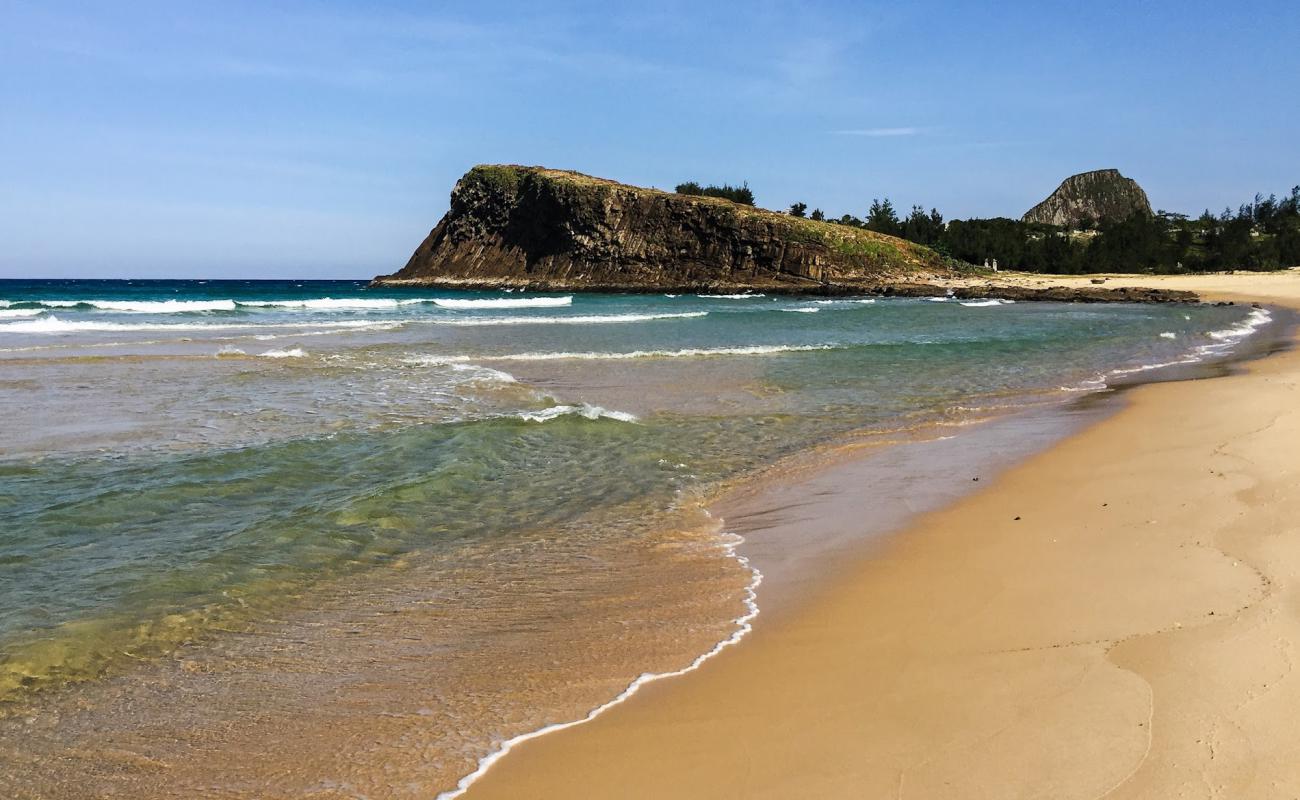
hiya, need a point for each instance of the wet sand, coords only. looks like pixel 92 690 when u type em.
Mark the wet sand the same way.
pixel 1118 616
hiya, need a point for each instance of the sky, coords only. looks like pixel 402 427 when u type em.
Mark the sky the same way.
pixel 321 140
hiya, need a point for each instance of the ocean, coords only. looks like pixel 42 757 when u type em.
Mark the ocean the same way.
pixel 352 539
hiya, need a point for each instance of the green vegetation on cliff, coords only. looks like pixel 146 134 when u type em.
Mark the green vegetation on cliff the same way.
pixel 513 225
pixel 736 194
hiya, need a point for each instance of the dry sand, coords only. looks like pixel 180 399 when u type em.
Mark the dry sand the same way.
pixel 1116 617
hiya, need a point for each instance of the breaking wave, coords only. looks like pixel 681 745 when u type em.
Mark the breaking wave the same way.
pixel 313 304
pixel 331 304
pixel 53 324
pixel 143 306
pixel 985 303
pixel 689 352
pixel 506 302
pixel 585 410
pixel 589 319
pixel 863 301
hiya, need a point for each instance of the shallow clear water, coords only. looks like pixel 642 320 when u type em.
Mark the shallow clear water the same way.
pixel 185 462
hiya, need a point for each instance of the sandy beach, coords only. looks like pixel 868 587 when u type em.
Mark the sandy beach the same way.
pixel 1115 617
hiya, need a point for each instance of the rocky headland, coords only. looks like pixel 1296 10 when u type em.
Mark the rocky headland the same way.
pixel 553 230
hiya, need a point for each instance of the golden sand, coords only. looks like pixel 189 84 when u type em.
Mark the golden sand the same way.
pixel 1116 617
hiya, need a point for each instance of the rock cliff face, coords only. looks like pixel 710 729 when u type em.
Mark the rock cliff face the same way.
pixel 1103 194
pixel 550 229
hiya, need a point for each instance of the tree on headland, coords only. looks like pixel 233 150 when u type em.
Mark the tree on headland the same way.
pixel 882 218
pixel 818 215
pixel 737 194
pixel 1263 234
pixel 798 209
pixel 921 227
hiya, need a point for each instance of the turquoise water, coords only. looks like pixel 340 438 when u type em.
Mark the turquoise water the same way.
pixel 181 455
pixel 248 529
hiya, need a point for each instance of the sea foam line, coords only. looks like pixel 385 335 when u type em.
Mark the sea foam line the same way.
pixel 752 350
pixel 52 324
pixel 839 301
pixel 744 624
pixel 506 302
pixel 586 410
pixel 144 306
pixel 293 352
pixel 986 303
pixel 588 319
pixel 314 304
pixel 329 303
pixel 1222 341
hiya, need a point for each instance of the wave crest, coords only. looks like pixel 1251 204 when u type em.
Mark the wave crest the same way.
pixel 689 352
pixel 505 302
pixel 585 410
pixel 143 306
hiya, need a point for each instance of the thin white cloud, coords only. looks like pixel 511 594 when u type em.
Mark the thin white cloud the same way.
pixel 880 132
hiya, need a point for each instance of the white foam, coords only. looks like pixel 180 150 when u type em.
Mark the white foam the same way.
pixel 230 351
pixel 332 304
pixel 1091 385
pixel 584 410
pixel 480 373
pixel 145 306
pixel 19 312
pixel 744 624
pixel 294 352
pixel 802 310
pixel 1149 367
pixel 937 299
pixel 53 324
pixel 587 319
pixel 986 303
pixel 846 301
pixel 1222 343
pixel 1256 319
pixel 506 302
pixel 690 352
pixel 746 296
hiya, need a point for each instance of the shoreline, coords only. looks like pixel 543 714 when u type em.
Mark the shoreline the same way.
pixel 1033 429
pixel 1047 423
pixel 784 473
pixel 545 766
pixel 962 287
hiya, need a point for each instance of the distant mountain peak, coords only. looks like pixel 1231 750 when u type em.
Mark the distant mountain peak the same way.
pixel 1102 194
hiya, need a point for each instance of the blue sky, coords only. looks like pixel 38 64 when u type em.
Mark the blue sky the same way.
pixel 291 139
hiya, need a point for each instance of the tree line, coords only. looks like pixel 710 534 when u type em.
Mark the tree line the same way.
pixel 736 194
pixel 1261 235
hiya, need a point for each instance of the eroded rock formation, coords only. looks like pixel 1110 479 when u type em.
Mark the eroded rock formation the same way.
pixel 551 229
pixel 1091 197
